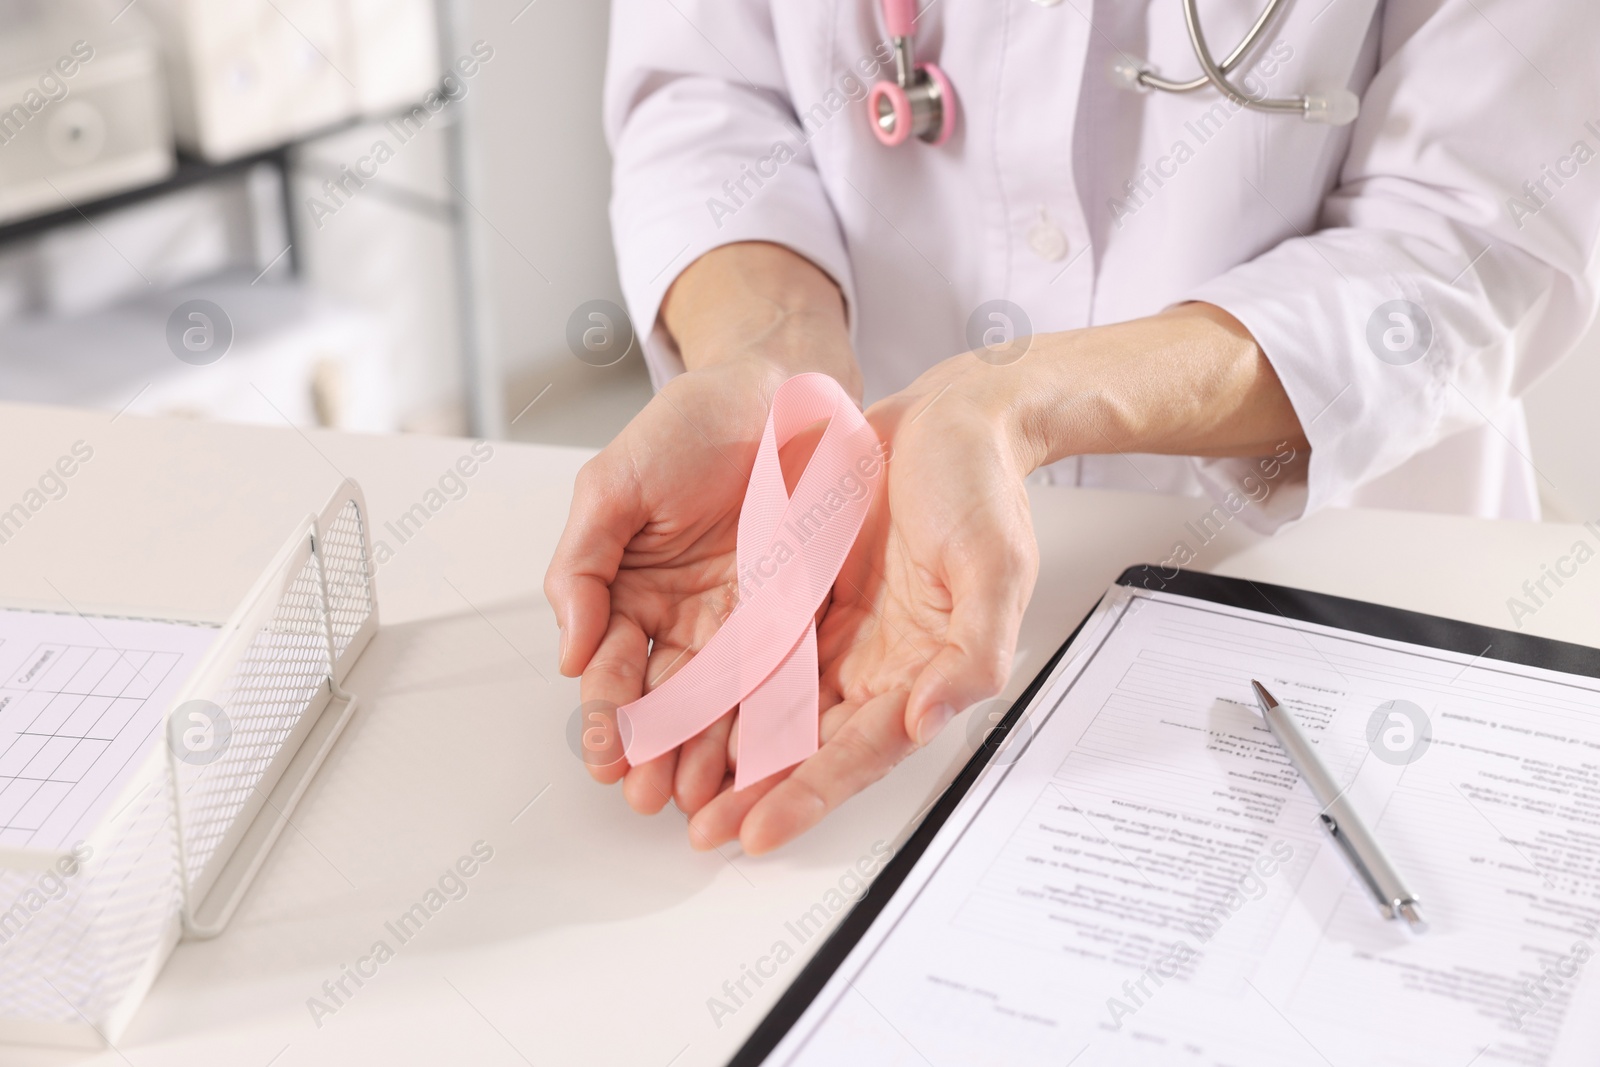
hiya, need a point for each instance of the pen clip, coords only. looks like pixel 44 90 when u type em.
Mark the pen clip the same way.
pixel 1330 824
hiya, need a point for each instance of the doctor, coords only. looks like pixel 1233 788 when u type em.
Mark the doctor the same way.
pixel 1056 268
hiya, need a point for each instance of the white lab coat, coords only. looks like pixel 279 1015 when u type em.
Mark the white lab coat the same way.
pixel 1083 203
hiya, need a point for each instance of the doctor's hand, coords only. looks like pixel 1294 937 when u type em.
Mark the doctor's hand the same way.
pixel 923 620
pixel 644 572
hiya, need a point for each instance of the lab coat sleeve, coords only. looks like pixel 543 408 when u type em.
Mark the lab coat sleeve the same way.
pixel 1471 190
pixel 707 151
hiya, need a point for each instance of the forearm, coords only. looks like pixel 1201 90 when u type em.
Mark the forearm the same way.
pixel 1190 381
pixel 761 301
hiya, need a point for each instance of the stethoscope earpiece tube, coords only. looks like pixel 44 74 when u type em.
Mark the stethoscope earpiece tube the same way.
pixel 1336 108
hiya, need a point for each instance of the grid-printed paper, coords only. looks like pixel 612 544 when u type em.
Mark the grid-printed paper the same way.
pixel 81 703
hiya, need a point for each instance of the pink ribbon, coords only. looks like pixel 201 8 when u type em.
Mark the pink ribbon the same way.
pixel 789 552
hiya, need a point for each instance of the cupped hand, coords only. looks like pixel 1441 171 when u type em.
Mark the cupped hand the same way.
pixel 924 617
pixel 644 571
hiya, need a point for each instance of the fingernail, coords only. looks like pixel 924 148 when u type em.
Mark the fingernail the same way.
pixel 561 651
pixel 933 720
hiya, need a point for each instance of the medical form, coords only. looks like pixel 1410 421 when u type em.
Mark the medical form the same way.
pixel 1139 876
pixel 82 698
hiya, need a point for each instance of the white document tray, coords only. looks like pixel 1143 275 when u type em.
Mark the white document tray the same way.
pixel 183 840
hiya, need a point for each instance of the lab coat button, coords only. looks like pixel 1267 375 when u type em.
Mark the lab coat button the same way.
pixel 1047 241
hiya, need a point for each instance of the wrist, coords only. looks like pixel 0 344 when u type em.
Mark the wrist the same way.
pixel 1189 381
pixel 1010 399
pixel 1056 404
pixel 784 342
pixel 759 303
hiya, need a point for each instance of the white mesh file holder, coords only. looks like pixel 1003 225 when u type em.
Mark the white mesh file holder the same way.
pixel 185 836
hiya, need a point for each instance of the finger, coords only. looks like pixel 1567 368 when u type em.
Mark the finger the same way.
pixel 828 697
pixel 834 717
pixel 613 677
pixel 989 592
pixel 702 764
pixel 871 741
pixel 648 786
pixel 718 822
pixel 607 511
pixel 665 661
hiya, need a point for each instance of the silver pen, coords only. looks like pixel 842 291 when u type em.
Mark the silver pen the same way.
pixel 1339 817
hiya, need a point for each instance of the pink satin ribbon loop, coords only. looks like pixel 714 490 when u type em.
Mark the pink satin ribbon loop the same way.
pixel 790 550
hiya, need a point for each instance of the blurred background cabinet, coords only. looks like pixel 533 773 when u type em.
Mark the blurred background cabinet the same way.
pixel 336 149
pixel 78 118
pixel 249 74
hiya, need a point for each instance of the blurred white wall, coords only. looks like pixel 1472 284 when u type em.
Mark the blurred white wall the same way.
pixel 547 182
pixel 547 173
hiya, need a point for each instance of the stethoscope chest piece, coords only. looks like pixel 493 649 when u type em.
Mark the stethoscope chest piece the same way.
pixel 920 101
pixel 924 109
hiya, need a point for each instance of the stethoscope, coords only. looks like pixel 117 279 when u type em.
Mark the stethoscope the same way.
pixel 920 101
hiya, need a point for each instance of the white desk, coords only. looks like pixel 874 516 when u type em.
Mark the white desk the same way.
pixel 593 935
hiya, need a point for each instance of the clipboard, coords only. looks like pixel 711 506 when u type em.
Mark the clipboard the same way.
pixel 1368 620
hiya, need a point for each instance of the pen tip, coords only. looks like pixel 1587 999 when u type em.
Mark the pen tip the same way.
pixel 1413 916
pixel 1263 697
